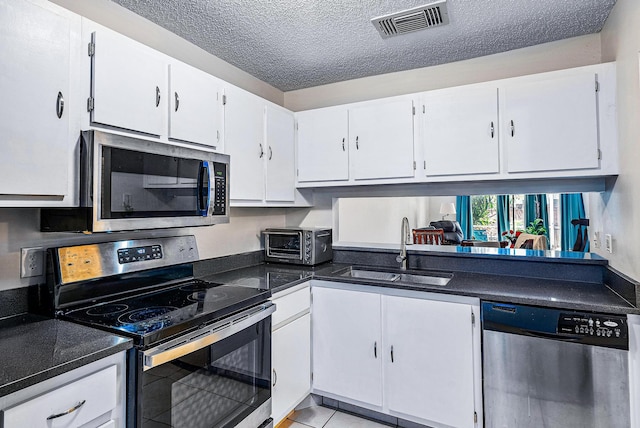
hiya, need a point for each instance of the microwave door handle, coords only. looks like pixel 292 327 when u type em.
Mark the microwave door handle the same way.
pixel 204 192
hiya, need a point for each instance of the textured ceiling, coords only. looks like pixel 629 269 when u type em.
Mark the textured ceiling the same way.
pixel 295 44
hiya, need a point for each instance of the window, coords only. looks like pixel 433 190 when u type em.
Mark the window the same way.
pixel 485 217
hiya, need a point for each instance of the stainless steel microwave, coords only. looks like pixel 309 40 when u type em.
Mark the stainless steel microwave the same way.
pixel 303 246
pixel 130 183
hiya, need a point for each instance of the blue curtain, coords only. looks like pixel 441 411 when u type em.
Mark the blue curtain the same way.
pixel 536 207
pixel 571 207
pixel 503 215
pixel 464 216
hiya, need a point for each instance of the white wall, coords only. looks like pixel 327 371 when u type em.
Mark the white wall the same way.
pixel 574 52
pixel 378 220
pixel 617 211
pixel 19 228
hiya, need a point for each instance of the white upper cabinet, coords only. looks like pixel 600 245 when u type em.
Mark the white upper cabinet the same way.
pixel 129 84
pixel 461 131
pixel 260 138
pixel 36 45
pixel 381 137
pixel 551 124
pixel 244 142
pixel 280 154
pixel 195 106
pixel 323 146
pixel 429 360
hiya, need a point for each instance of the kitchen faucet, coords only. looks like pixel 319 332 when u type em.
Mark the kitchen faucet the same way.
pixel 404 240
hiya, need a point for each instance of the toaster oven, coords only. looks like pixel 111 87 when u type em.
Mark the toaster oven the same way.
pixel 302 246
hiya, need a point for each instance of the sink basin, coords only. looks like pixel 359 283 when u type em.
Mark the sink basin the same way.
pixel 407 278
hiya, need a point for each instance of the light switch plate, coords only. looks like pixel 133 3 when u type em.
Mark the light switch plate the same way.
pixel 596 240
pixel 31 262
pixel 608 244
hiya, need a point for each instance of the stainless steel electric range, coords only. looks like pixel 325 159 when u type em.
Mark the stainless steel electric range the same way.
pixel 202 354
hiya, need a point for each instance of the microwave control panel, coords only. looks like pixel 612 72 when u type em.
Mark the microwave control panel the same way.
pixel 219 189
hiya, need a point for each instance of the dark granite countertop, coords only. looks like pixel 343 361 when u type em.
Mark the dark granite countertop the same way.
pixel 575 295
pixel 35 348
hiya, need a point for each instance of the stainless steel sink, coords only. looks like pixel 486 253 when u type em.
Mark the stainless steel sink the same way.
pixel 408 278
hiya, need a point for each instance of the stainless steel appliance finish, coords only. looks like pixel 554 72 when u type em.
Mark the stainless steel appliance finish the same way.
pixel 202 350
pixel 554 368
pixel 296 245
pixel 206 336
pixel 132 183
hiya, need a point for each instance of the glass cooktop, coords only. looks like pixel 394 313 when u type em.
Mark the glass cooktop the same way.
pixel 152 317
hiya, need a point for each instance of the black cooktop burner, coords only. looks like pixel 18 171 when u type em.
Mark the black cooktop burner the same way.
pixel 201 296
pixel 154 316
pixel 196 285
pixel 108 309
pixel 145 313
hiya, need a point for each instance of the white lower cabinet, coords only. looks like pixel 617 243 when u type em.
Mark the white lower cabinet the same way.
pixel 291 351
pixel 429 367
pixel 91 396
pixel 406 354
pixel 346 333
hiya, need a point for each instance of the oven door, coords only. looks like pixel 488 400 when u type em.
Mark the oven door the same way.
pixel 284 246
pixel 140 184
pixel 217 377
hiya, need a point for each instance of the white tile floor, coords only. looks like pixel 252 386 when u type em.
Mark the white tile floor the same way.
pixel 309 414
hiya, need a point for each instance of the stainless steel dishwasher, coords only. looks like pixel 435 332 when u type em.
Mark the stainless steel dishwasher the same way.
pixel 550 368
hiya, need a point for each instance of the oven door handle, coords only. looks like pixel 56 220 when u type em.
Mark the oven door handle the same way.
pixel 206 336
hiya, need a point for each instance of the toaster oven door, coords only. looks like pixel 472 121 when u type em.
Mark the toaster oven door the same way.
pixel 284 245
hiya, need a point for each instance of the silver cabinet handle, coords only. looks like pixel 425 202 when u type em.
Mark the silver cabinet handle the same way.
pixel 71 410
pixel 60 105
pixel 157 96
pixel 492 130
pixel 375 349
pixel 392 353
pixel 275 377
pixel 513 129
pixel 357 146
pixel 270 153
pixel 177 100
pixel 343 145
pixel 261 152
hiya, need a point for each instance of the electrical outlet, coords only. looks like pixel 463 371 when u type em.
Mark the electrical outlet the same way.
pixel 608 244
pixel 596 240
pixel 31 262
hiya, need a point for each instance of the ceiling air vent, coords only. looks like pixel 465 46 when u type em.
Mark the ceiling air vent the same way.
pixel 419 18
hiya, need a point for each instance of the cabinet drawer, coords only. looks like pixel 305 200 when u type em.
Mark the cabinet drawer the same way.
pixel 291 304
pixel 98 391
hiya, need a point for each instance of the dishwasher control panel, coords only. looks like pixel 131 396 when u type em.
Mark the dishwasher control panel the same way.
pixel 592 325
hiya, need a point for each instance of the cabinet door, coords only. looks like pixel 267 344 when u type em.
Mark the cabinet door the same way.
pixel 323 146
pixel 429 360
pixel 382 136
pixel 552 124
pixel 128 84
pixel 461 131
pixel 195 106
pixel 243 126
pixel 85 400
pixel 280 147
pixel 291 366
pixel 34 80
pixel 346 334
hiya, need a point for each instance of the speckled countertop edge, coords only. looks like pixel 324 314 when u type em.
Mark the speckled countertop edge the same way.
pixel 41 349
